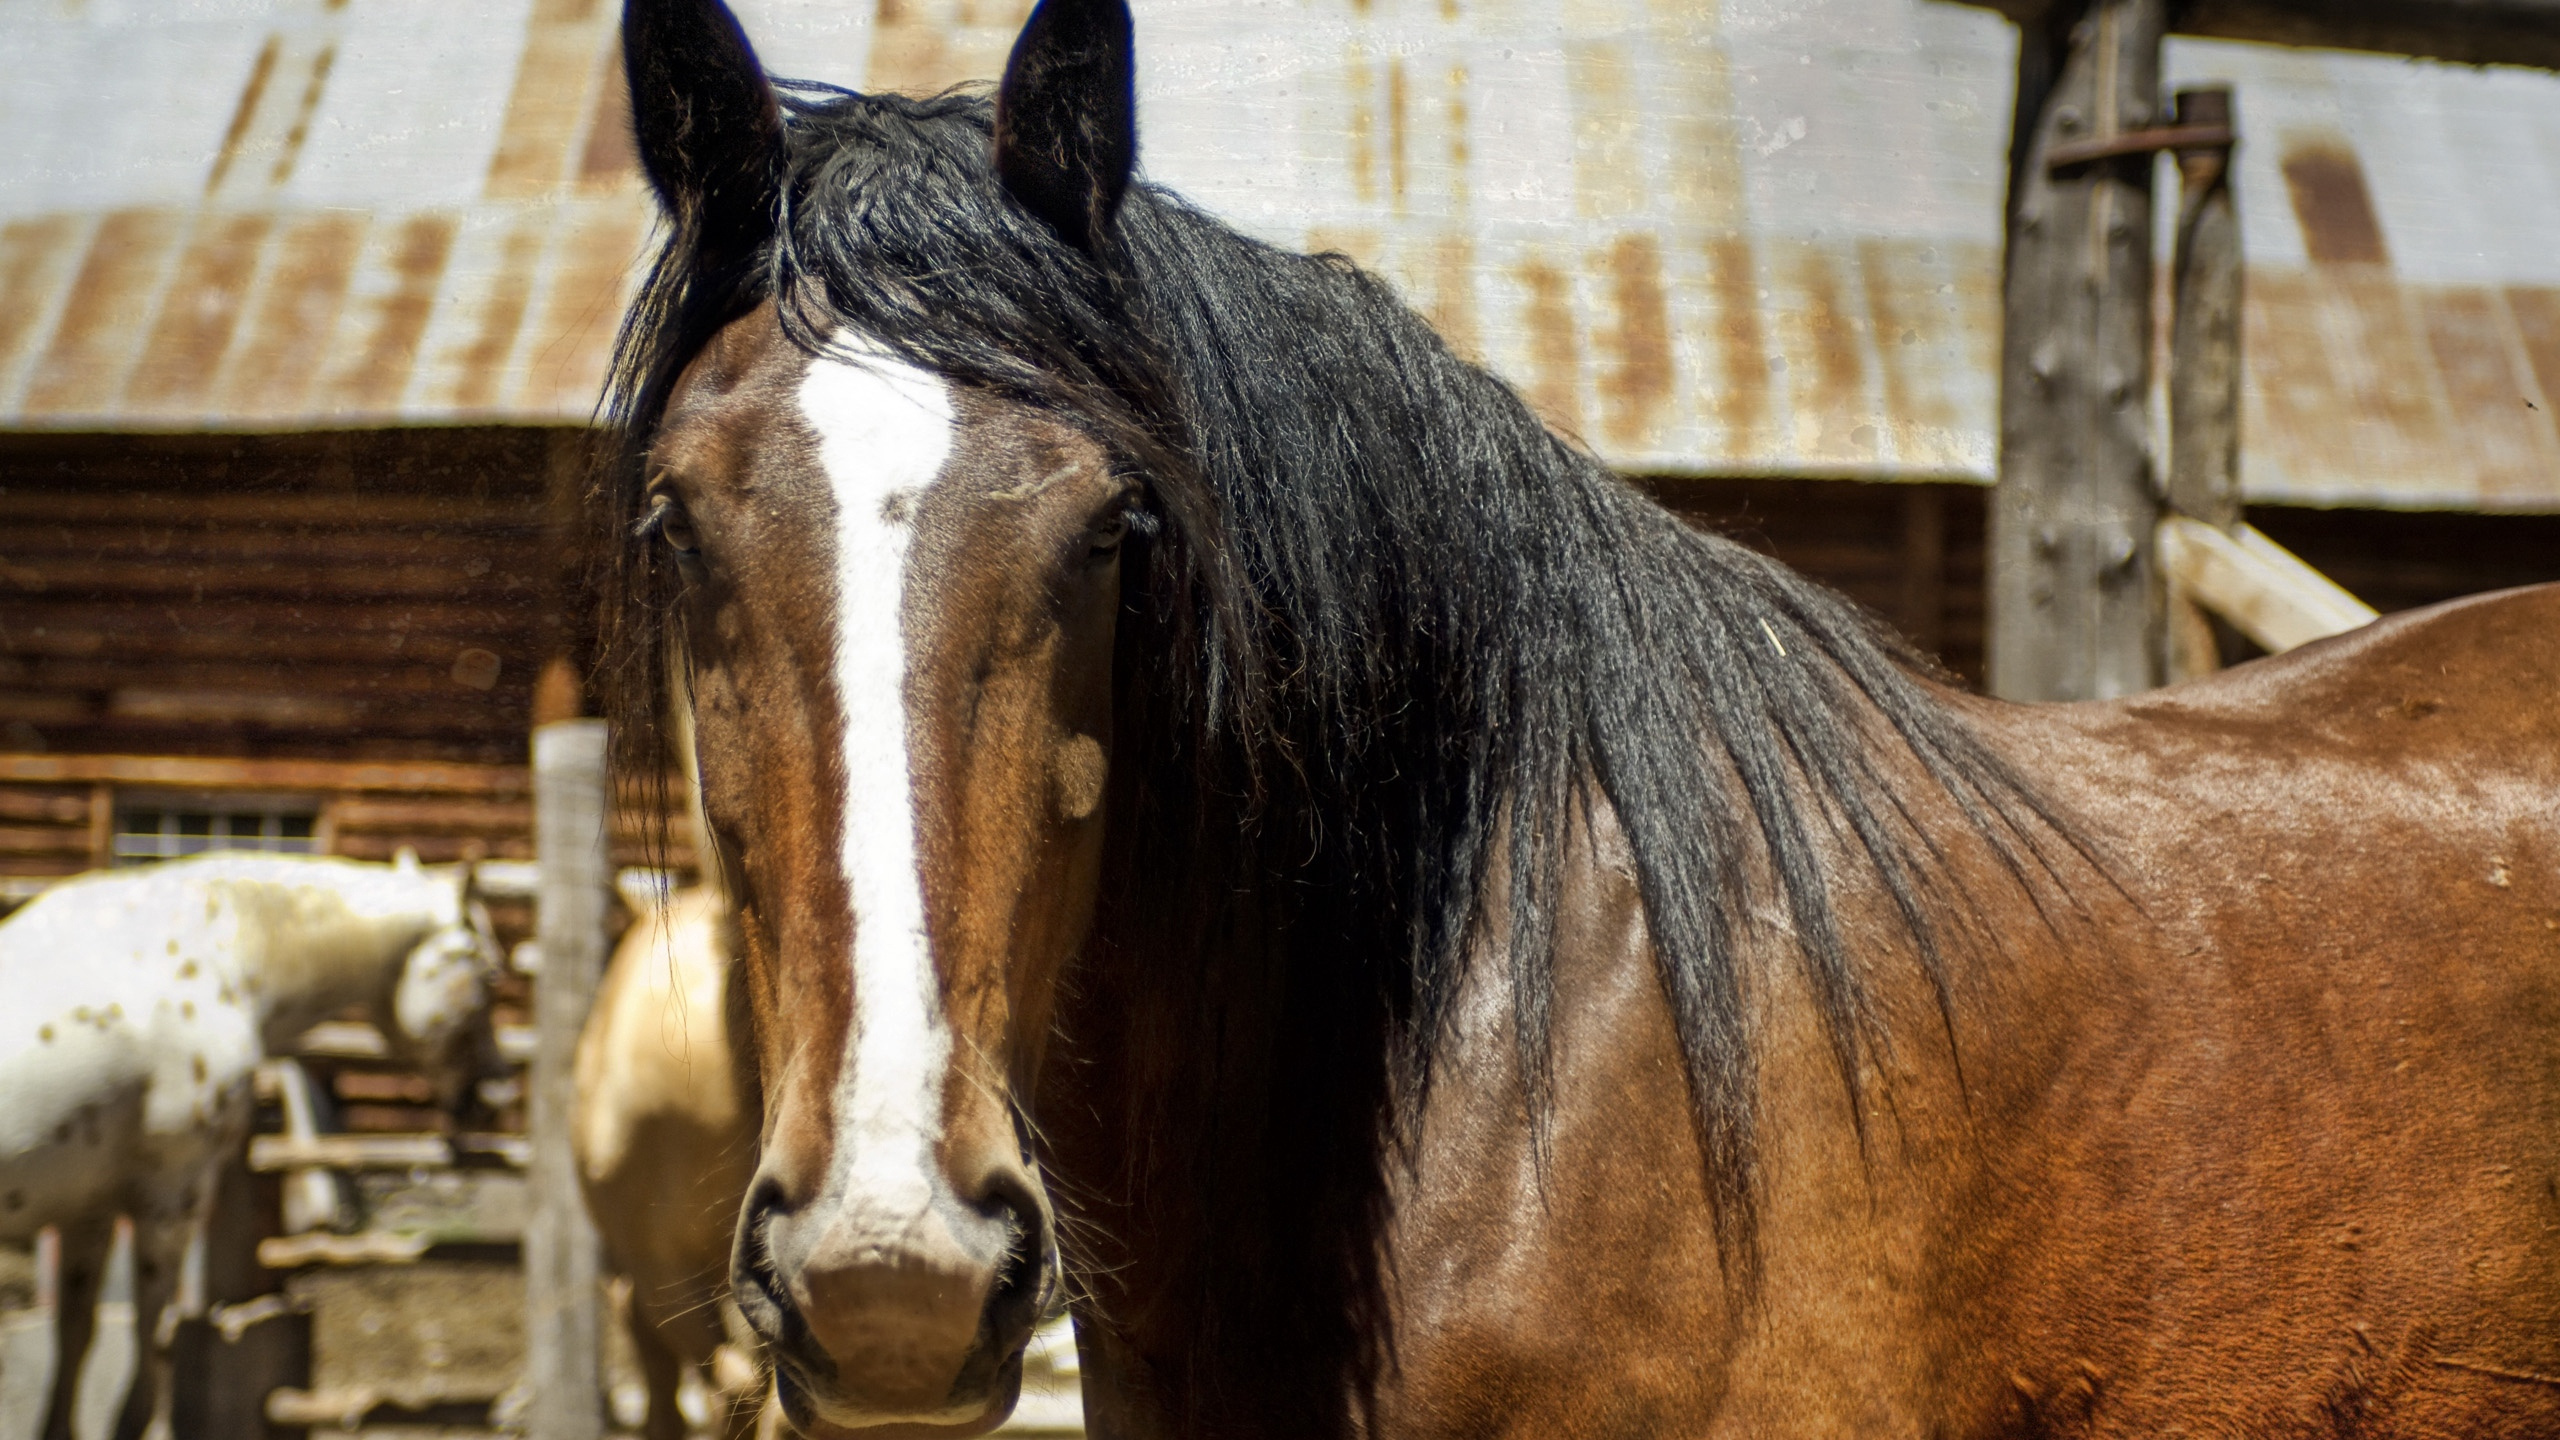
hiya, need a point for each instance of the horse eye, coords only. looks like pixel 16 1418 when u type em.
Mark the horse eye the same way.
pixel 668 522
pixel 1108 535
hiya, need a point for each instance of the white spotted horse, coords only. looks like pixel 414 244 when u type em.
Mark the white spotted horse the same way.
pixel 134 1007
pixel 1230 818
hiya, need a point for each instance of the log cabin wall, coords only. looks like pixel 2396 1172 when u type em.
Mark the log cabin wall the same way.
pixel 1910 553
pixel 327 643
pixel 359 595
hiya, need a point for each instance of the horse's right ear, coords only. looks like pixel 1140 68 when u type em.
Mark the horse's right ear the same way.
pixel 708 126
pixel 1067 117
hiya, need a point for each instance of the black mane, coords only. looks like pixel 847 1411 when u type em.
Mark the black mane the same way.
pixel 1387 634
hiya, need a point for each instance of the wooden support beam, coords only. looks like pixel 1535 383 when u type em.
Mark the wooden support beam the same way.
pixel 2471 32
pixel 2204 363
pixel 102 826
pixel 348 1152
pixel 2074 612
pixel 2267 592
pixel 563 1330
pixel 2204 327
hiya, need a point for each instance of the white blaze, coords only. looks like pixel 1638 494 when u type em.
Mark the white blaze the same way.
pixel 884 429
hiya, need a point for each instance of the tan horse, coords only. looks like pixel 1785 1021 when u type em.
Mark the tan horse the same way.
pixel 1212 787
pixel 665 1137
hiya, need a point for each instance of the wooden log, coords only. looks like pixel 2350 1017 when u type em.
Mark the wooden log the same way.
pixel 200 580
pixel 189 773
pixel 323 1247
pixel 563 1361
pixel 44 840
pixel 109 617
pixel 299 545
pixel 2074 610
pixel 2204 364
pixel 405 680
pixel 151 715
pixel 348 1407
pixel 347 1152
pixel 337 1040
pixel 56 809
pixel 166 510
pixel 435 849
pixel 435 815
pixel 2266 591
pixel 515 1150
pixel 510 816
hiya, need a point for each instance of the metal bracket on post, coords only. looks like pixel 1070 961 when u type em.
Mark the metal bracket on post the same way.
pixel 564 1390
pixel 2181 138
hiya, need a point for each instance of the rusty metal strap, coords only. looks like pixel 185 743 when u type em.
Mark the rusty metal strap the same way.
pixel 2138 142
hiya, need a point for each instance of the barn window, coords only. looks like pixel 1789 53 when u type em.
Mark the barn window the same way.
pixel 149 832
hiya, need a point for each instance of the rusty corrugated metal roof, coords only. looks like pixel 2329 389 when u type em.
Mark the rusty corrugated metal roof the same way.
pixel 313 214
pixel 2403 307
pixel 1736 238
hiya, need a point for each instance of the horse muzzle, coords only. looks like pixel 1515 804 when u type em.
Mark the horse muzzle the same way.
pixel 897 1316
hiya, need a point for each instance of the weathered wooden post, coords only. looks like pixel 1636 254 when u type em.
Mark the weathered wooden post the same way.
pixel 2204 359
pixel 2074 611
pixel 563 1358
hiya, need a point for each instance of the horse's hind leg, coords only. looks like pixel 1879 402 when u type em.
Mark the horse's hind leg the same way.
pixel 85 1243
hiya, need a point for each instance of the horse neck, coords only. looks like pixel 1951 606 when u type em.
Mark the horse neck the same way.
pixel 1262 1182
pixel 328 940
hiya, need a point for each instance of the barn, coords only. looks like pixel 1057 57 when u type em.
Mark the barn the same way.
pixel 304 308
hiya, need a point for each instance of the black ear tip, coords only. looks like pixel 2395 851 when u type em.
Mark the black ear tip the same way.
pixel 1067 116
pixel 708 125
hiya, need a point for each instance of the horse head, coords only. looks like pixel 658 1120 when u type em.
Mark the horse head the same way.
pixel 438 1004
pixel 894 597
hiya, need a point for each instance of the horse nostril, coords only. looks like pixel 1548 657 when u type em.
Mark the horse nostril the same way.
pixel 1013 1302
pixel 758 1287
pixel 755 1213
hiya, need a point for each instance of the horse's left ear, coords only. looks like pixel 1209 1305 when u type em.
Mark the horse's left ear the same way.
pixel 708 127
pixel 1067 117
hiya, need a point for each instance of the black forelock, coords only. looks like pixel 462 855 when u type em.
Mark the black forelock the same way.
pixel 1390 631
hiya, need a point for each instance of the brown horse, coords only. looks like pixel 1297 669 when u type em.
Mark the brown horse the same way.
pixel 1215 792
